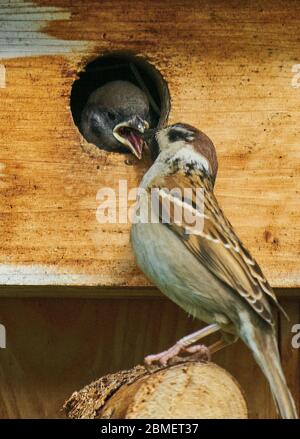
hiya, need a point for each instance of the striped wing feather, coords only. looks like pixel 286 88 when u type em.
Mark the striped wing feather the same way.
pixel 215 243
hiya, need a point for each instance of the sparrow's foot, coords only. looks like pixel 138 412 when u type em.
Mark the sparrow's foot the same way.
pixel 202 351
pixel 177 354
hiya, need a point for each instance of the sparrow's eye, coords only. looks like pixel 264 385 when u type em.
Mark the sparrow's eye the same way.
pixel 176 135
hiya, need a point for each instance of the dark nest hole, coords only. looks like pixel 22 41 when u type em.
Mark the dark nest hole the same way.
pixel 122 66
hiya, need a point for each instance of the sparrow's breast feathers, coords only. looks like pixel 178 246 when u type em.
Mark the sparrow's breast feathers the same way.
pixel 213 241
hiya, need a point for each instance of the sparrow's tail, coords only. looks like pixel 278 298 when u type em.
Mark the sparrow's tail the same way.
pixel 264 347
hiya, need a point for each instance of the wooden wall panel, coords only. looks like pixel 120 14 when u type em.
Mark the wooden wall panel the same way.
pixel 229 69
pixel 55 346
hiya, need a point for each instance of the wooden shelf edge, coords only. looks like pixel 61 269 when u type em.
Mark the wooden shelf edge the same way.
pixel 100 292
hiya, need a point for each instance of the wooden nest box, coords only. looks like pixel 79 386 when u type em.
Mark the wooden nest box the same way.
pixel 230 71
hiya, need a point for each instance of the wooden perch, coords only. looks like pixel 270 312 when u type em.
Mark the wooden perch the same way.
pixel 190 390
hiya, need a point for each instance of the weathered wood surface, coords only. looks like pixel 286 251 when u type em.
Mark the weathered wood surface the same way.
pixel 55 346
pixel 229 69
pixel 190 390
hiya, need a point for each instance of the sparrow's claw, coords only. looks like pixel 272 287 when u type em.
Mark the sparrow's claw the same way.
pixel 202 351
pixel 164 357
pixel 177 354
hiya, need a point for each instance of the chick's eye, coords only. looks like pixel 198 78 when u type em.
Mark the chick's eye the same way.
pixel 111 115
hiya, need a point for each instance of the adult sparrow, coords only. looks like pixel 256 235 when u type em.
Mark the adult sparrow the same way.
pixel 115 116
pixel 186 246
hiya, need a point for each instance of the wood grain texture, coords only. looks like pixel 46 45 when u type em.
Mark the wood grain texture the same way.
pixel 229 69
pixel 190 390
pixel 56 346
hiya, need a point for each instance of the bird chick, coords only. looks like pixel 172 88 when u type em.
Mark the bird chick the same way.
pixel 115 117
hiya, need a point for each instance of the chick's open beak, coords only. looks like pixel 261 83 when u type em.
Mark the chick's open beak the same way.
pixel 130 134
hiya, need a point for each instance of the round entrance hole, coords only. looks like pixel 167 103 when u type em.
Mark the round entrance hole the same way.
pixel 124 67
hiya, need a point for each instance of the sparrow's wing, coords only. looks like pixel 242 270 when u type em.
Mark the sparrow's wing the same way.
pixel 193 213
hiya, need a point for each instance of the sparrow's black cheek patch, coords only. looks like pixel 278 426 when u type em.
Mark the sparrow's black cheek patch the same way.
pixel 121 66
pixel 176 135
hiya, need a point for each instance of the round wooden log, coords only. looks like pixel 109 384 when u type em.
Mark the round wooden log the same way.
pixel 190 390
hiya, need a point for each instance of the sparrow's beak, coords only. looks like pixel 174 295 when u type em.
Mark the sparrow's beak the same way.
pixel 150 140
pixel 130 134
pixel 149 135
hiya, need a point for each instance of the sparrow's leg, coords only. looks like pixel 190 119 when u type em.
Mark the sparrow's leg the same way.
pixel 225 341
pixel 183 346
